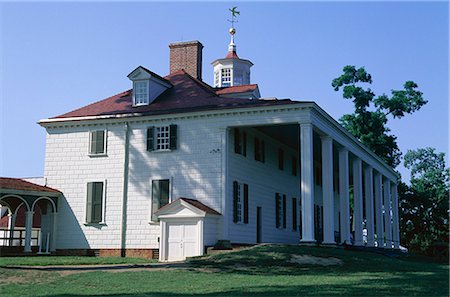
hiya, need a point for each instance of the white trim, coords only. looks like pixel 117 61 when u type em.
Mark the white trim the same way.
pixel 103 221
pixel 105 141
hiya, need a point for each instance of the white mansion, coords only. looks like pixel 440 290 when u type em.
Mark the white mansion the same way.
pixel 173 166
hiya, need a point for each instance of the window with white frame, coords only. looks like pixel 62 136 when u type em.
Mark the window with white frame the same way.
pixel 95 202
pixel 226 77
pixel 97 142
pixel 140 92
pixel 162 138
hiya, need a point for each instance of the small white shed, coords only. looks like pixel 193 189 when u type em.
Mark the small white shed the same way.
pixel 187 226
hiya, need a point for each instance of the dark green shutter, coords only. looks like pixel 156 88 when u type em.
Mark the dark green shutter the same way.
pixel 263 152
pixel 277 210
pixel 94 206
pixel 235 201
pixel 100 140
pixel 284 211
pixel 244 144
pixel 150 139
pixel 173 137
pixel 155 198
pixel 245 204
pixel 89 202
pixel 97 202
pixel 237 147
pixel 257 151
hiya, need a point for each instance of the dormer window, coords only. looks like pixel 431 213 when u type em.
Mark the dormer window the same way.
pixel 147 86
pixel 140 91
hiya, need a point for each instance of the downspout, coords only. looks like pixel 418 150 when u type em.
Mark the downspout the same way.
pixel 123 232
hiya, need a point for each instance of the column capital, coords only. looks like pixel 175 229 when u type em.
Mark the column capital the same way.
pixel 326 138
pixel 343 149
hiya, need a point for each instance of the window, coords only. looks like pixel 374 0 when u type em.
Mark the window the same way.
pixel 280 211
pixel 216 78
pixel 160 196
pixel 226 77
pixel 294 166
pixel 162 138
pixel 240 142
pixel 259 150
pixel 280 159
pixel 240 203
pixel 294 214
pixel 140 92
pixel 97 142
pixel 95 202
pixel 238 77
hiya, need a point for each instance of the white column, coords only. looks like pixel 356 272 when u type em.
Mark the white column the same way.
pixel 344 200
pixel 387 212
pixel 379 209
pixel 327 190
pixel 357 196
pixel 368 184
pixel 307 182
pixel 28 229
pixel 396 234
pixel 11 224
pixel 54 231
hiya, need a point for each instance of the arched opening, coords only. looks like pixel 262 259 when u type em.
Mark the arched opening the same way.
pixel 44 211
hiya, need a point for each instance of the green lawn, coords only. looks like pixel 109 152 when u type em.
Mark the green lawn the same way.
pixel 68 260
pixel 260 271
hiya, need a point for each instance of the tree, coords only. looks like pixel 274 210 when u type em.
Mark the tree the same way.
pixel 425 204
pixel 369 126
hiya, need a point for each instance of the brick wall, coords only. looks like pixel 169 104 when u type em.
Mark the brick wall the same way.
pixel 187 56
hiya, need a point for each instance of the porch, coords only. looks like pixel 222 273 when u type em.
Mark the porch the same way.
pixel 28 217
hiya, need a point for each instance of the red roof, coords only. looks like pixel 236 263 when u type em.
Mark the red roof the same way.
pixel 22 185
pixel 200 206
pixel 188 94
pixel 194 203
pixel 237 89
pixel 232 55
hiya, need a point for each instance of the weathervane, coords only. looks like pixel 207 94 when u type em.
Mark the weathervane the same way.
pixel 234 14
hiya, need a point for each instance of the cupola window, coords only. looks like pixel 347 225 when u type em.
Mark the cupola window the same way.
pixel 141 92
pixel 226 77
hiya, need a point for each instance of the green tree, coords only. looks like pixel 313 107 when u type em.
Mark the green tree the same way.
pixel 368 123
pixel 425 204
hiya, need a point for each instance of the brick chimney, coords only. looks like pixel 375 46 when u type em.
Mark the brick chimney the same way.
pixel 188 56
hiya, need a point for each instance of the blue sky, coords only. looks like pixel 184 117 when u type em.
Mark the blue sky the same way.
pixel 56 57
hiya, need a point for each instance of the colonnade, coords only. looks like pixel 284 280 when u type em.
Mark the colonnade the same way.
pixel 379 216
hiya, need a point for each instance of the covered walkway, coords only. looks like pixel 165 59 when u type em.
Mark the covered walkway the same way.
pixel 28 216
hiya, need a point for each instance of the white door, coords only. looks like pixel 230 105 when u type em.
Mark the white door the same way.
pixel 182 240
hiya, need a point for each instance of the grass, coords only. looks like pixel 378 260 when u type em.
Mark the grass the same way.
pixel 261 271
pixel 68 260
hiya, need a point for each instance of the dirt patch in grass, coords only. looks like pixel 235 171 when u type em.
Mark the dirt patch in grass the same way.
pixel 311 260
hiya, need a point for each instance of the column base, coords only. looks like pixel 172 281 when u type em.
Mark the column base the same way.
pixel 308 242
pixel 331 243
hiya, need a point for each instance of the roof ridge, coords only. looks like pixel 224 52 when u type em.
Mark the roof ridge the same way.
pixel 199 82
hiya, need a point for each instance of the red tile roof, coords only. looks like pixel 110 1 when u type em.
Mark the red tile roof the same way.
pixel 237 89
pixel 232 55
pixel 22 185
pixel 188 94
pixel 200 206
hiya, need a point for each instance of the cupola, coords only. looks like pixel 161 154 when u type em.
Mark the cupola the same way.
pixel 231 70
